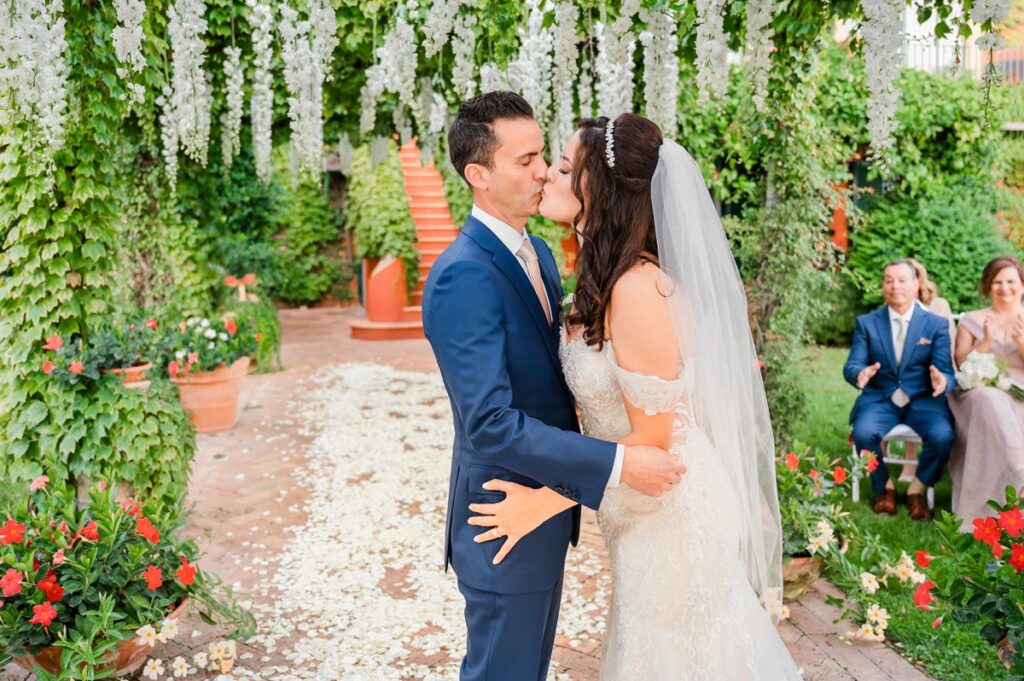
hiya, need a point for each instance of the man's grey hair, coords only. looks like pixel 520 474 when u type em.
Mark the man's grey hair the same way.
pixel 902 261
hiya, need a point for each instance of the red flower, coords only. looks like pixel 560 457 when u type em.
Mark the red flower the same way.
pixel 258 336
pixel 839 475
pixel 872 461
pixel 1017 557
pixel 47 367
pixel 231 326
pixel 997 550
pixel 76 367
pixel 986 530
pixel 10 583
pixel 154 577
pixel 54 591
pixel 54 342
pixel 151 323
pixel 131 506
pixel 923 595
pixel 813 473
pixel 43 614
pixel 12 532
pixel 58 557
pixel 90 532
pixel 186 573
pixel 793 461
pixel 231 280
pixel 1012 522
pixel 249 279
pixel 923 559
pixel 173 368
pixel 146 530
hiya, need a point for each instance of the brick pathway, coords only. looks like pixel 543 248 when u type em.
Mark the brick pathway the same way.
pixel 244 496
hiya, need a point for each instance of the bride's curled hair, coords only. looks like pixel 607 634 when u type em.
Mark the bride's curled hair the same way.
pixel 616 210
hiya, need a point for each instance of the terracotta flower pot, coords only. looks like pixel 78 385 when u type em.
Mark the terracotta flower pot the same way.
pixel 133 377
pixel 127 657
pixel 211 398
pixel 798 574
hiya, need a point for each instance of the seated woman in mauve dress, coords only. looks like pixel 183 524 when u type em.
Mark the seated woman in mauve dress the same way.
pixel 988 453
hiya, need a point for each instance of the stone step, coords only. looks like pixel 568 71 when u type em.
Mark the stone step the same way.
pixel 366 330
pixel 413 313
pixel 436 233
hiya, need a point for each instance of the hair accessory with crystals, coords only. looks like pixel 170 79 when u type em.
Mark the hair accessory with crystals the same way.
pixel 609 144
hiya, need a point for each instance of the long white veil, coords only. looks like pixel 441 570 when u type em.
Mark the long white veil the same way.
pixel 709 311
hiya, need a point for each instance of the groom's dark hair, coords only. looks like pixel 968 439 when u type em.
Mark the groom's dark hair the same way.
pixel 471 136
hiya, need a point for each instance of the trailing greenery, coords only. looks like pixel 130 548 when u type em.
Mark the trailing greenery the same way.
pixel 378 211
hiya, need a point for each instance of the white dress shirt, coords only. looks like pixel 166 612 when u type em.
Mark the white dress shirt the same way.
pixel 513 239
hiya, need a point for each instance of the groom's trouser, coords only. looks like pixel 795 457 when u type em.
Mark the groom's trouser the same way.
pixel 510 636
pixel 875 420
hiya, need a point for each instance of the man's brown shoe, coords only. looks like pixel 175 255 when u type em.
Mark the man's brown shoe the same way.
pixel 918 507
pixel 885 502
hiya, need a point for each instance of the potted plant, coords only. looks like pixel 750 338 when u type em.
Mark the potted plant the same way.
pixel 87 593
pixel 125 350
pixel 209 362
pixel 811 485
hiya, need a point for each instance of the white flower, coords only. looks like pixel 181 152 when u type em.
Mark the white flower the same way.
pixel 760 14
pixel 231 119
pixel 218 650
pixel 180 354
pixel 661 69
pixel 147 635
pixel 210 333
pixel 204 322
pixel 866 631
pixel 877 614
pixel 201 660
pixel 211 345
pixel 324 33
pixel 529 73
pixel 869 582
pixel 304 77
pixel 154 668
pixel 826 531
pixel 904 572
pixel 882 30
pixel 614 66
pixel 169 629
pixel 180 667
pixel 127 37
pixel 493 78
pixel 222 336
pixel 817 544
pixel 585 91
pixel 784 612
pixel 990 10
pixel 438 25
pixel 261 102
pixel 463 46
pixel 712 65
pixel 191 97
pixel 566 52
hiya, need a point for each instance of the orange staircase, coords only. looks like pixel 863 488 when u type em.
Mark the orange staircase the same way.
pixel 435 230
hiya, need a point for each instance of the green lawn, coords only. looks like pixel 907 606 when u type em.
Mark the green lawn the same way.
pixel 952 651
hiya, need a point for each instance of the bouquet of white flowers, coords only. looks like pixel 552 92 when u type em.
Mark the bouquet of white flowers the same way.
pixel 985 369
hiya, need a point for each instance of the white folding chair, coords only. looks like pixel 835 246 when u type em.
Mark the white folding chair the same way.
pixel 901 434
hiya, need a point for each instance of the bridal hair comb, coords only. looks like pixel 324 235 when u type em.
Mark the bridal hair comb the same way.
pixel 609 144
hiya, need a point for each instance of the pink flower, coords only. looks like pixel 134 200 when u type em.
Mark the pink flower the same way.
pixel 58 557
pixel 937 623
pixel 76 367
pixel 54 342
pixel 47 367
pixel 39 483
pixel 102 484
pixel 151 323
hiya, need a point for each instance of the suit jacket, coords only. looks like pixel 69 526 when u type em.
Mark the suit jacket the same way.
pixel 515 418
pixel 927 344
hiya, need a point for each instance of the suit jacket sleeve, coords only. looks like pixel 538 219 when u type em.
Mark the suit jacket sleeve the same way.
pixel 465 326
pixel 942 354
pixel 858 358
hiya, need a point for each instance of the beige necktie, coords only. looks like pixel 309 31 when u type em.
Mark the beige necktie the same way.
pixel 900 398
pixel 527 253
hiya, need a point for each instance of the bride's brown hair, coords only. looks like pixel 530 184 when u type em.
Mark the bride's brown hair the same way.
pixel 616 205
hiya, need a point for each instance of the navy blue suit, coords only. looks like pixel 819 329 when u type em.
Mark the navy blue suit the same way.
pixel 515 420
pixel 874 414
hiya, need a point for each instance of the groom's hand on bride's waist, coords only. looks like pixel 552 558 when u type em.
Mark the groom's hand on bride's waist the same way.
pixel 650 470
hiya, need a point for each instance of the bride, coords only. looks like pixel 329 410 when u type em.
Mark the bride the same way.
pixel 657 350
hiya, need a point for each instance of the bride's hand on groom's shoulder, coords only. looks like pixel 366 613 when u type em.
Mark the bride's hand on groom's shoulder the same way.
pixel 650 470
pixel 522 511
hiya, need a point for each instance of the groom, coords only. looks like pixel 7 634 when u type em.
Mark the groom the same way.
pixel 490 312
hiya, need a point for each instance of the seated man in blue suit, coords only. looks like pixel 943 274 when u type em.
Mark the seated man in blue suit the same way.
pixel 900 360
pixel 490 312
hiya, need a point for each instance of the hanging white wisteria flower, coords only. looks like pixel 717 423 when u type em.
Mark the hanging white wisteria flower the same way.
pixel 324 33
pixel 304 77
pixel 566 68
pixel 261 103
pixel 33 73
pixel 438 25
pixel 760 14
pixel 231 120
pixel 395 71
pixel 346 155
pixel 433 115
pixel 463 47
pixel 127 37
pixel 712 66
pixel 380 147
pixel 585 90
pixel 883 37
pixel 529 73
pixel 493 78
pixel 991 12
pixel 191 97
pixel 614 77
pixel 168 135
pixel 661 70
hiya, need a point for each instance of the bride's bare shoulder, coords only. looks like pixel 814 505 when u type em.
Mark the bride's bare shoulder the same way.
pixel 642 281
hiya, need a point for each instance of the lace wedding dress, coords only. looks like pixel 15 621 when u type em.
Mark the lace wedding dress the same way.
pixel 681 605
